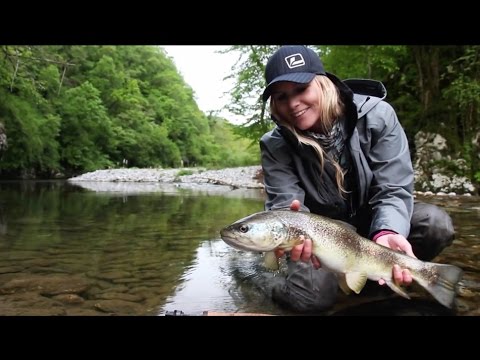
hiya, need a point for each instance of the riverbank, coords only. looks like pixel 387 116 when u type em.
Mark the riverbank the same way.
pixel 247 177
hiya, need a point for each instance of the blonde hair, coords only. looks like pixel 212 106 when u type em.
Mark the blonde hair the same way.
pixel 330 110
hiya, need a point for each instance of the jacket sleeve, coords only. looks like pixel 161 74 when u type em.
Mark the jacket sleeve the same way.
pixel 280 179
pixel 391 191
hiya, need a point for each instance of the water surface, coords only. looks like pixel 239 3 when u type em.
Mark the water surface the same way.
pixel 71 250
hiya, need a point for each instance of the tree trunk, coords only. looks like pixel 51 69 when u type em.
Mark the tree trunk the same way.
pixel 427 61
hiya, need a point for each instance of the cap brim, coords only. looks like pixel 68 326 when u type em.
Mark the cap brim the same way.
pixel 299 78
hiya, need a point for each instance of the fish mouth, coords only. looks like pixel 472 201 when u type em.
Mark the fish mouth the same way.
pixel 234 242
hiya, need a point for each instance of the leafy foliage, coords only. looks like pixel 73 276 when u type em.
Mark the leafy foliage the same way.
pixel 432 88
pixel 72 109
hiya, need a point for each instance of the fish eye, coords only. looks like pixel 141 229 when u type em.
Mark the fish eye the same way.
pixel 243 228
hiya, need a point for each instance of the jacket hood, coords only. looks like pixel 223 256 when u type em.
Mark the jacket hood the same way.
pixel 367 93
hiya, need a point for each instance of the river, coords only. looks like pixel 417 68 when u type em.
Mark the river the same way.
pixel 69 250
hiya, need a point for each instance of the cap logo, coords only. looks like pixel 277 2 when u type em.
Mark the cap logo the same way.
pixel 295 60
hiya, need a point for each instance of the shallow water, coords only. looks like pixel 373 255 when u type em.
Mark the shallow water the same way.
pixel 71 250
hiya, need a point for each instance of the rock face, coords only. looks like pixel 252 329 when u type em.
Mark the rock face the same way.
pixel 435 170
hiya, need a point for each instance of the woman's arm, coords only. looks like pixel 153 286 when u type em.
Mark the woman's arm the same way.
pixel 391 190
pixel 280 178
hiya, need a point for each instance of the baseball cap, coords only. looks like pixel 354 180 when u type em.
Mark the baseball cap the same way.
pixel 296 63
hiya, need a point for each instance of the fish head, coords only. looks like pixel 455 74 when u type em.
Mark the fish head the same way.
pixel 258 232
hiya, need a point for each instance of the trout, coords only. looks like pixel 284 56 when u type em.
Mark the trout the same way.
pixel 340 249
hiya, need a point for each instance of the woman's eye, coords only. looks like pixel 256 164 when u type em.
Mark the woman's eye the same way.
pixel 282 97
pixel 300 89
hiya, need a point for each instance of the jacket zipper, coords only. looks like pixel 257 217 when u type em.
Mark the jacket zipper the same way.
pixel 360 110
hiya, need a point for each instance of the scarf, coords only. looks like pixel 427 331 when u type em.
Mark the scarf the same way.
pixel 333 142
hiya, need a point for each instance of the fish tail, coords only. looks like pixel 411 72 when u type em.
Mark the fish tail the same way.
pixel 443 286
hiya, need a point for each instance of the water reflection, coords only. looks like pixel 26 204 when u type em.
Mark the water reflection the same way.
pixel 112 253
pixel 223 279
pixel 69 250
pixel 206 284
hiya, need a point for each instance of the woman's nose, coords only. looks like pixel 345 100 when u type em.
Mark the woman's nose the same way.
pixel 293 101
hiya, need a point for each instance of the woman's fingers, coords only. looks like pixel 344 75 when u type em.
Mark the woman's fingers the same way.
pixel 407 277
pixel 408 250
pixel 400 276
pixel 302 252
pixel 296 252
pixel 307 250
pixel 397 275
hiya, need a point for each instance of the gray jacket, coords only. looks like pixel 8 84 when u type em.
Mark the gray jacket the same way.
pixel 379 154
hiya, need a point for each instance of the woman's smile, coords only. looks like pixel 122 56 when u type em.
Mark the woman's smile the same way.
pixel 299 113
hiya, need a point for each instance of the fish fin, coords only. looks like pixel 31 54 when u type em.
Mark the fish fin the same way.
pixel 271 261
pixel 397 289
pixel 356 281
pixel 342 282
pixel 443 288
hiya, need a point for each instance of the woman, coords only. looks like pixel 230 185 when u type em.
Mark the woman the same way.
pixel 339 151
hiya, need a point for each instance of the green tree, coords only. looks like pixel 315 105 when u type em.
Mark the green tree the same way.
pixel 86 130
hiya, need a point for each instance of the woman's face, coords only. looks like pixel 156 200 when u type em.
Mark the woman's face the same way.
pixel 297 103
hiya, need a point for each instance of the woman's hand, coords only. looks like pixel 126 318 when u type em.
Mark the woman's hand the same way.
pixel 399 243
pixel 303 251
